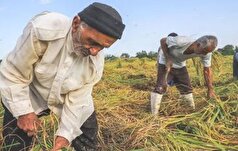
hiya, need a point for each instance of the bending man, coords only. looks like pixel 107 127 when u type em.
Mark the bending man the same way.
pixel 172 67
pixel 54 66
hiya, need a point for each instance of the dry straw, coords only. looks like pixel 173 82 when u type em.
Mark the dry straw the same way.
pixel 125 122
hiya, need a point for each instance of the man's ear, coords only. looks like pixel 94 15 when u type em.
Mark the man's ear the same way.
pixel 75 23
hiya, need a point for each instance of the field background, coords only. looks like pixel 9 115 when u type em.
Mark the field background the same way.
pixel 123 110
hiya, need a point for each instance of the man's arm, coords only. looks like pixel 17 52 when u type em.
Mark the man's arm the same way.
pixel 208 80
pixel 16 74
pixel 76 110
pixel 168 60
pixel 165 50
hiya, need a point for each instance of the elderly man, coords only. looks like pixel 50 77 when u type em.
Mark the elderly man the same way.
pixel 54 66
pixel 172 67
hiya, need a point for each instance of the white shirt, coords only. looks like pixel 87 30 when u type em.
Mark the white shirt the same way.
pixel 177 45
pixel 43 72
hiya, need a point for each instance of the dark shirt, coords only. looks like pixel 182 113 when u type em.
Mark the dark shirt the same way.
pixel 235 64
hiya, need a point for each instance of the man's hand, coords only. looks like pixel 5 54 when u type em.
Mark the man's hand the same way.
pixel 211 94
pixel 29 123
pixel 60 142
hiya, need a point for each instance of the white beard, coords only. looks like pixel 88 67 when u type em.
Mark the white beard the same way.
pixel 79 49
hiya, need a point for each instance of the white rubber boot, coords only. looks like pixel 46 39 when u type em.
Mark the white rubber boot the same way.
pixel 187 100
pixel 155 99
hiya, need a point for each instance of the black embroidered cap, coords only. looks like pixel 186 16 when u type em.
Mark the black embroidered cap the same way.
pixel 103 18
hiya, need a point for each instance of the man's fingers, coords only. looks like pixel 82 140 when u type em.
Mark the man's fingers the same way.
pixel 60 142
pixel 20 125
pixel 31 133
pixel 30 128
pixel 37 124
pixel 29 123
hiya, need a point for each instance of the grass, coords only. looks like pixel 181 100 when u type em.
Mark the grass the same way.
pixel 123 111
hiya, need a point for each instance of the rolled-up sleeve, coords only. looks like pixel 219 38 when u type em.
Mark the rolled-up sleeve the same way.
pixel 16 73
pixel 179 41
pixel 76 110
pixel 206 60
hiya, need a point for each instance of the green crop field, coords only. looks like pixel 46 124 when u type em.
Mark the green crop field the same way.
pixel 123 111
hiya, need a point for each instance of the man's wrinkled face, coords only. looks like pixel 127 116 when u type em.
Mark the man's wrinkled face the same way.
pixel 88 41
pixel 79 48
pixel 205 45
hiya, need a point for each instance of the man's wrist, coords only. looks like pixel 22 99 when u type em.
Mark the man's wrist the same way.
pixel 60 142
pixel 210 88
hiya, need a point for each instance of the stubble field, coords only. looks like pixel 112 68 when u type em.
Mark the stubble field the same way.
pixel 123 111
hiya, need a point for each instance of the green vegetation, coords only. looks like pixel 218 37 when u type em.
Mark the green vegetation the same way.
pixel 144 54
pixel 123 111
pixel 228 50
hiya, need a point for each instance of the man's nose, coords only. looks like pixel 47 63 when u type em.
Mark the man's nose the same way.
pixel 94 50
